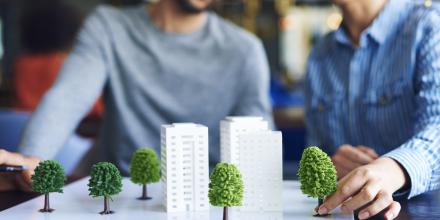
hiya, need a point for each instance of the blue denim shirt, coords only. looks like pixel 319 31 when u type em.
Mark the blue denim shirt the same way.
pixel 384 93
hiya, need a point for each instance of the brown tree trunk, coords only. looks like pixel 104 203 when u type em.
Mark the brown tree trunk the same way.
pixel 144 193
pixel 106 207
pixel 46 204
pixel 225 213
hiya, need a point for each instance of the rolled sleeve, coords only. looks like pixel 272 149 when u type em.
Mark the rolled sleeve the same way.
pixel 420 155
pixel 78 85
pixel 417 167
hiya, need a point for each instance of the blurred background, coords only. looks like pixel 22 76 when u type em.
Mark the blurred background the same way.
pixel 36 36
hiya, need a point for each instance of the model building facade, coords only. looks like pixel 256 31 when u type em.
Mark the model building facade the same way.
pixel 248 143
pixel 185 167
pixel 230 130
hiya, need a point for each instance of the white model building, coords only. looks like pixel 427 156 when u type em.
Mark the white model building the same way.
pixel 231 128
pixel 248 143
pixel 185 167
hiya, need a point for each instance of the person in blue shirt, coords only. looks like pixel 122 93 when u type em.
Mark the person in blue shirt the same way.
pixel 373 88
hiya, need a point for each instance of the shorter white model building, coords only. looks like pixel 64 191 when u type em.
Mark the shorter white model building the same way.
pixel 248 143
pixel 185 167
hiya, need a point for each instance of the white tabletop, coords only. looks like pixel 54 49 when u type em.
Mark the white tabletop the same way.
pixel 75 204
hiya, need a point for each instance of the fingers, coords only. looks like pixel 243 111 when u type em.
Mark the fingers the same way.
pixel 22 180
pixel 371 186
pixel 343 165
pixel 9 158
pixel 365 196
pixel 393 211
pixel 344 162
pixel 348 186
pixel 369 151
pixel 7 180
pixel 341 172
pixel 383 200
pixel 355 154
pixel 23 183
pixel 16 159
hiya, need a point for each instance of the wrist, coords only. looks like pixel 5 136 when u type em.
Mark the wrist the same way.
pixel 395 174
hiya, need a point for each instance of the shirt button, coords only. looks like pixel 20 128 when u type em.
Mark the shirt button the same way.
pixel 321 108
pixel 383 100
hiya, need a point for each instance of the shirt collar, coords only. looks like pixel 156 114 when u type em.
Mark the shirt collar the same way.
pixel 382 26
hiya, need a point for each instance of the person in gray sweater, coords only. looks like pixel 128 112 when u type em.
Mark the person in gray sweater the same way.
pixel 172 61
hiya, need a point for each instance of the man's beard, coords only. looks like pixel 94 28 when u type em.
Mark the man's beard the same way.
pixel 188 7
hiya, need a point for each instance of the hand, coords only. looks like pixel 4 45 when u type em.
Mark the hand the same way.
pixel 368 151
pixel 13 181
pixel 372 184
pixel 348 158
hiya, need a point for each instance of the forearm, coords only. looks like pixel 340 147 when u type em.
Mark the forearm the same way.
pixel 50 126
pixel 76 89
pixel 420 155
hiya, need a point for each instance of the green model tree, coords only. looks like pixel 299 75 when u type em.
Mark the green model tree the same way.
pixel 144 169
pixel 105 180
pixel 225 187
pixel 48 177
pixel 317 174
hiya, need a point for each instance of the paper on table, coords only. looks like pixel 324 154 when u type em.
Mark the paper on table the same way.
pixel 75 204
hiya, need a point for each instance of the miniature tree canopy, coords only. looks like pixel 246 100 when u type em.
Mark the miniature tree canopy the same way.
pixel 105 180
pixel 144 169
pixel 317 174
pixel 48 177
pixel 225 187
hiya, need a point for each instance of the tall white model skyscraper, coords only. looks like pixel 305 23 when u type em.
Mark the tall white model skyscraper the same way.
pixel 185 167
pixel 248 143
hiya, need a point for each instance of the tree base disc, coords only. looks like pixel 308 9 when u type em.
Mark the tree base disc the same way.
pixel 144 198
pixel 47 210
pixel 109 212
pixel 318 215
